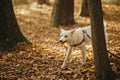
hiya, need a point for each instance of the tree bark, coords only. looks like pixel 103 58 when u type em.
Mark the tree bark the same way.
pixel 84 10
pixel 43 2
pixel 103 68
pixel 63 13
pixel 10 33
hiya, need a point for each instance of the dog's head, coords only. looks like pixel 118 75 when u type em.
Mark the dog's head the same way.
pixel 66 35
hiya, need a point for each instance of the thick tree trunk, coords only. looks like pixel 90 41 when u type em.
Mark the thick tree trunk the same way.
pixel 10 33
pixel 103 68
pixel 63 13
pixel 84 10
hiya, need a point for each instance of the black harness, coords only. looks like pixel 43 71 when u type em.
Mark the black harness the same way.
pixel 84 32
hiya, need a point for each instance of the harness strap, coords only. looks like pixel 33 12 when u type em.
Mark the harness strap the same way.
pixel 80 42
pixel 84 31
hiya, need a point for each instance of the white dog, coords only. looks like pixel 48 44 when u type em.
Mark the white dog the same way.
pixel 76 37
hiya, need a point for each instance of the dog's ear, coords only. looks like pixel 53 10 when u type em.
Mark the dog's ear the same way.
pixel 72 31
pixel 62 30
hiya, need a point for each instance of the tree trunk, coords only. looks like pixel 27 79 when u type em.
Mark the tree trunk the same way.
pixel 10 33
pixel 63 13
pixel 43 2
pixel 103 68
pixel 84 11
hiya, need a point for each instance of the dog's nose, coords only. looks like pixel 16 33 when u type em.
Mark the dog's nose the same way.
pixel 60 40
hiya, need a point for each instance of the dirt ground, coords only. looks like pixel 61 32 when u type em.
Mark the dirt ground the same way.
pixel 43 59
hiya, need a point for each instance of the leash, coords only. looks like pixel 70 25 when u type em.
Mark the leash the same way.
pixel 118 57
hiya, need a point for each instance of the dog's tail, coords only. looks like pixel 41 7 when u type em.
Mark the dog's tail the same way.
pixel 105 24
pixel 106 34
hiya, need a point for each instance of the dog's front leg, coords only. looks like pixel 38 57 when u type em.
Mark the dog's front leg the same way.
pixel 67 56
pixel 83 51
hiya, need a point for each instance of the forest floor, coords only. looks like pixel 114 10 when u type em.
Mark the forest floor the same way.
pixel 43 59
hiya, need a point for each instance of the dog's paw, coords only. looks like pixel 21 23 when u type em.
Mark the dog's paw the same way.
pixel 82 64
pixel 63 66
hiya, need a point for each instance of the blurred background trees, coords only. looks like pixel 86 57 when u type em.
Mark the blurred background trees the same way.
pixel 63 13
pixel 35 21
pixel 84 9
pixel 43 2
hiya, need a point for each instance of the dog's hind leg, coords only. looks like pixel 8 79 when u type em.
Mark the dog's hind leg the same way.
pixel 66 57
pixel 83 51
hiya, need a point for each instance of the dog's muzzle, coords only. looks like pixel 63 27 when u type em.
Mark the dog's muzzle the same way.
pixel 62 41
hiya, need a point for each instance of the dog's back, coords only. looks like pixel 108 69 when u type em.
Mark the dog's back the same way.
pixel 88 31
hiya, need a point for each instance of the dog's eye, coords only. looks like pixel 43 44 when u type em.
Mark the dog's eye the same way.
pixel 66 36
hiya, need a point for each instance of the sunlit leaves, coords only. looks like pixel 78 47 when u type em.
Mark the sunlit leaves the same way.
pixel 42 60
